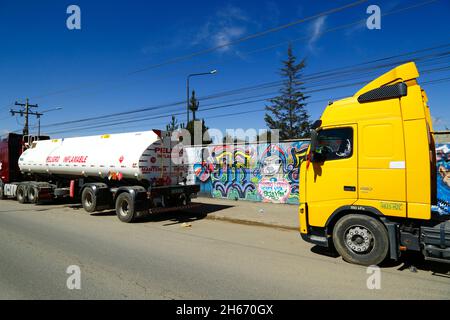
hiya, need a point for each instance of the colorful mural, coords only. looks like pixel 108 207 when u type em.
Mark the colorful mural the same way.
pixel 256 172
pixel 443 178
pixel 269 172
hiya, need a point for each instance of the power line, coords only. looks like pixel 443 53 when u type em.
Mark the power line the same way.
pixel 317 75
pixel 253 36
pixel 267 48
pixel 227 44
pixel 322 75
pixel 208 109
pixel 343 26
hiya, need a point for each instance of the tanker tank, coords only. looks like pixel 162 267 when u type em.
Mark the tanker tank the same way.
pixel 141 156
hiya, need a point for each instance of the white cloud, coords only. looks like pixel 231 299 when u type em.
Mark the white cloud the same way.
pixel 232 13
pixel 228 24
pixel 226 35
pixel 316 31
pixel 221 27
pixel 440 123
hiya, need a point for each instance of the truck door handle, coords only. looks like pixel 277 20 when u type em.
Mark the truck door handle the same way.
pixel 350 188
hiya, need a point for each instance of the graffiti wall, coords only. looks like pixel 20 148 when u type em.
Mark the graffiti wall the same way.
pixel 256 172
pixel 443 178
pixel 269 172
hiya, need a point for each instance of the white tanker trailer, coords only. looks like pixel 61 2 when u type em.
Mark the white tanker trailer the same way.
pixel 132 172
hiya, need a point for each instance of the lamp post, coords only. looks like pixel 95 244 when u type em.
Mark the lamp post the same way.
pixel 39 114
pixel 187 87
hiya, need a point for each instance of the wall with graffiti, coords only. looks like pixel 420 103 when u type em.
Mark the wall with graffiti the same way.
pixel 256 172
pixel 269 172
pixel 443 177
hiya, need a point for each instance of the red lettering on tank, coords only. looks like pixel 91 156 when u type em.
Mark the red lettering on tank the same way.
pixel 52 159
pixel 75 159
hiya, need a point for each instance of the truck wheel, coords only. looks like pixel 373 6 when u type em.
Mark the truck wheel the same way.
pixel 33 194
pixel 21 194
pixel 89 200
pixel 125 208
pixel 361 239
pixel 2 192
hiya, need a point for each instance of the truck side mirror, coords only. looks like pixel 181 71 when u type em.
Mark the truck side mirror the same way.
pixel 318 156
pixel 313 156
pixel 313 140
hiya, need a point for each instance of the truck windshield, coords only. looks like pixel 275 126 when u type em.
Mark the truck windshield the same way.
pixel 335 143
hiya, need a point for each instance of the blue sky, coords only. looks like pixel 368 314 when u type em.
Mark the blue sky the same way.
pixel 87 71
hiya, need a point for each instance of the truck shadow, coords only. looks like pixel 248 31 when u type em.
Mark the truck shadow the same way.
pixel 408 262
pixel 184 216
pixel 414 261
pixel 175 217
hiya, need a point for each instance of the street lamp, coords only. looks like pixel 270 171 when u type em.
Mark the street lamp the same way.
pixel 187 87
pixel 39 114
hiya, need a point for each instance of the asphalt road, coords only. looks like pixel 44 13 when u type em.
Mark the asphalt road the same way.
pixel 160 258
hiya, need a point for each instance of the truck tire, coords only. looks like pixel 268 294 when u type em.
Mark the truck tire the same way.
pixel 361 239
pixel 21 193
pixel 33 194
pixel 89 200
pixel 2 192
pixel 125 208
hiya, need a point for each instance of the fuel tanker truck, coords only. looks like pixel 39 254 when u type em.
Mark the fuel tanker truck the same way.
pixel 133 173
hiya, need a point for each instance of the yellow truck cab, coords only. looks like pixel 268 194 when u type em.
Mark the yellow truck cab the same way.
pixel 369 181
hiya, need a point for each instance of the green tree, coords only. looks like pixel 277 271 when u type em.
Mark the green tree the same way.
pixel 190 127
pixel 193 104
pixel 173 125
pixel 233 140
pixel 264 137
pixel 287 112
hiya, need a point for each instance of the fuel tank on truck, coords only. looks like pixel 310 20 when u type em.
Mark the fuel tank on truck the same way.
pixel 138 155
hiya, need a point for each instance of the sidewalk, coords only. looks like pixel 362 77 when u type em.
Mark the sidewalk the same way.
pixel 282 216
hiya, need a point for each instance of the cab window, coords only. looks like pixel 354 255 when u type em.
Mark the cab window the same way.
pixel 335 144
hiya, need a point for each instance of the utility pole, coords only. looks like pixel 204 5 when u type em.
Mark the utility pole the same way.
pixel 26 111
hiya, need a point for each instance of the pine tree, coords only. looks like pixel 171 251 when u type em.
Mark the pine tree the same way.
pixel 193 104
pixel 287 112
pixel 190 127
pixel 173 124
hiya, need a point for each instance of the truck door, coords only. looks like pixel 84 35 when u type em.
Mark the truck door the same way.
pixel 332 178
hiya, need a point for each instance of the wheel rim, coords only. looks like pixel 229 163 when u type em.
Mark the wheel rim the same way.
pixel 359 239
pixel 88 200
pixel 123 208
pixel 32 194
pixel 183 200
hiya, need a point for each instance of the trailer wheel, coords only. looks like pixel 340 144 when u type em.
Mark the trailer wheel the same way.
pixel 361 239
pixel 2 192
pixel 89 200
pixel 33 194
pixel 21 193
pixel 125 208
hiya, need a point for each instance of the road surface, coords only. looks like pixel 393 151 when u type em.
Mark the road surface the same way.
pixel 162 258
